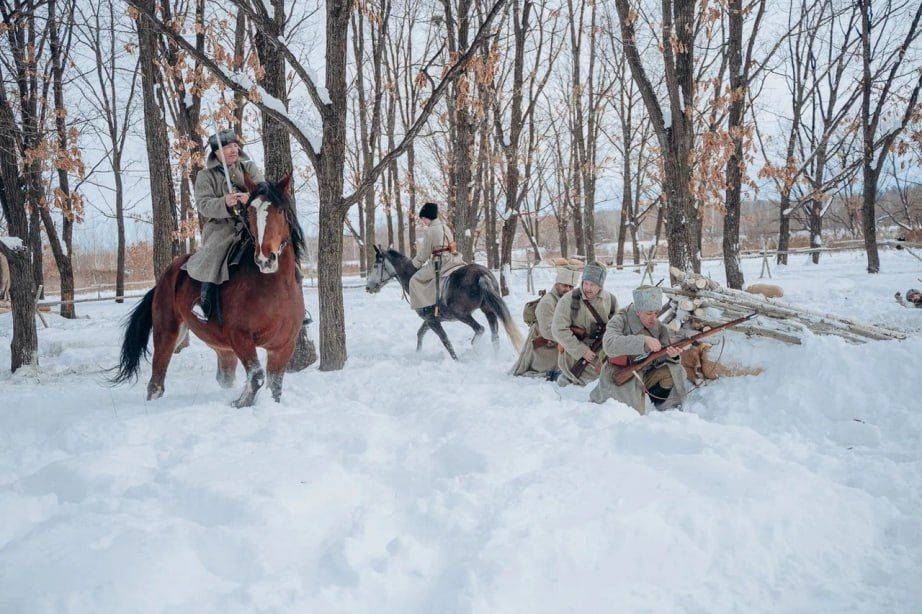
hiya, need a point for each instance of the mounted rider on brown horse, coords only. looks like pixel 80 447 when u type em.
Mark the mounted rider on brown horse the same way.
pixel 261 304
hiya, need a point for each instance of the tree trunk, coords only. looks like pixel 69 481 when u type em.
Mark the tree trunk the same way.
pixel 330 191
pixel 411 213
pixel 816 229
pixel 562 238
pixel 589 215
pixel 731 230
pixel 240 31
pixel 576 213
pixel 62 253
pixel 163 198
pixel 120 228
pixel 784 227
pixel 35 232
pixel 24 346
pixel 869 217
pixel 626 194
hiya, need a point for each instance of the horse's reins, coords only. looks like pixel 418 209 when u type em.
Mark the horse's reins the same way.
pixel 383 265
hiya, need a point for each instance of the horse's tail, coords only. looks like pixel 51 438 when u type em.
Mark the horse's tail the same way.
pixel 498 306
pixel 134 345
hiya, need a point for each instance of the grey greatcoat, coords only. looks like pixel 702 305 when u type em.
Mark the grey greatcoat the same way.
pixel 210 262
pixel 422 284
pixel 536 362
pixel 605 304
pixel 624 336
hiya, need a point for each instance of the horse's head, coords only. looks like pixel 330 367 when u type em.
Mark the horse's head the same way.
pixel 381 273
pixel 267 220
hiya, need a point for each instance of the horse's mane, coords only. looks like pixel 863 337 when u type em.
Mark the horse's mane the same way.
pixel 393 253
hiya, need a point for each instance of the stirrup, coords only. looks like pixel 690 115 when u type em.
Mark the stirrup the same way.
pixel 199 312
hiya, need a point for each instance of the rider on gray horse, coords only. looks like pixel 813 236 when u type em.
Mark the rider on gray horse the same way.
pixel 436 250
pixel 217 204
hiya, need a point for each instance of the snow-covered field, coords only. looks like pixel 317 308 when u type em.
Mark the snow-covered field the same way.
pixel 410 483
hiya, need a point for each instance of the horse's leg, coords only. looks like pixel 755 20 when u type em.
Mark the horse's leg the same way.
pixel 437 327
pixel 470 321
pixel 245 350
pixel 494 327
pixel 420 334
pixel 166 333
pixel 183 339
pixel 276 361
pixel 227 368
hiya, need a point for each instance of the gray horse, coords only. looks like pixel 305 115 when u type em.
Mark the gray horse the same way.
pixel 468 288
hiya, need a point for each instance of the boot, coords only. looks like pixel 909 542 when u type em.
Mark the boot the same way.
pixel 207 308
pixel 658 395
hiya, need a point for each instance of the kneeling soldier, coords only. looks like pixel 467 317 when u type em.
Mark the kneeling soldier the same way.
pixel 539 354
pixel 579 323
pixel 634 332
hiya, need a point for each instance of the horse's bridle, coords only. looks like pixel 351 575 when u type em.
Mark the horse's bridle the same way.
pixel 239 216
pixel 382 266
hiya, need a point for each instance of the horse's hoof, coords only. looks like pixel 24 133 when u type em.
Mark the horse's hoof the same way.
pixel 154 392
pixel 245 400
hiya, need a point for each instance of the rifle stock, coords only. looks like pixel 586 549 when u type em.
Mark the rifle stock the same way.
pixel 581 364
pixel 622 375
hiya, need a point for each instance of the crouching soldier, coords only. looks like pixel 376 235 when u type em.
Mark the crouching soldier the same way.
pixel 217 204
pixel 634 332
pixel 579 323
pixel 539 354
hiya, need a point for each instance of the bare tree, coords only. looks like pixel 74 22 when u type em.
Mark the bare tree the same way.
pixel 162 194
pixel 673 121
pixel 519 116
pixel 112 94
pixel 369 121
pixel 881 67
pixel 20 168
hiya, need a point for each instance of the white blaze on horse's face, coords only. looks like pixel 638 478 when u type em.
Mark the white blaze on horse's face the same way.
pixel 267 263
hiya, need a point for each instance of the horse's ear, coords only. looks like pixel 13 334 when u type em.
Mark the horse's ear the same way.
pixel 250 186
pixel 284 185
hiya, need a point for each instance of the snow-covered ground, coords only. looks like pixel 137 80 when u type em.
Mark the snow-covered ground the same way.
pixel 410 483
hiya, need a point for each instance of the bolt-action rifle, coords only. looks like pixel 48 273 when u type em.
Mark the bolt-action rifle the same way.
pixel 623 368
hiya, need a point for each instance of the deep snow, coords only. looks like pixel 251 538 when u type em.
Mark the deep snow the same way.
pixel 409 483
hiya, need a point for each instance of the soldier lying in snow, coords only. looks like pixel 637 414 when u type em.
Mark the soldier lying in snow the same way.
pixel 539 354
pixel 913 298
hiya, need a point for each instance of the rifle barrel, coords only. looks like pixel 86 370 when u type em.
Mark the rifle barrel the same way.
pixel 624 374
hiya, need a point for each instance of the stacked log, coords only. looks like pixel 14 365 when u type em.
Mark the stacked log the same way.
pixel 699 301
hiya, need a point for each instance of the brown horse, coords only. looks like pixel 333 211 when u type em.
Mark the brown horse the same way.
pixel 262 304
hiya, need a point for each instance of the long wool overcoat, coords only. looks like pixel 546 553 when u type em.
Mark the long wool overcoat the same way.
pixel 624 336
pixel 536 362
pixel 422 285
pixel 210 262
pixel 605 304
